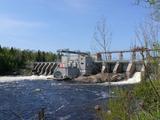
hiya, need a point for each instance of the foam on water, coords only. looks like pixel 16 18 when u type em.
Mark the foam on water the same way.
pixel 20 78
pixel 135 79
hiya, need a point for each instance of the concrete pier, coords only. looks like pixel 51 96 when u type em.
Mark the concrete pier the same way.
pixel 131 68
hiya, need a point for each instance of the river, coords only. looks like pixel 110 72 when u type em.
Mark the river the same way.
pixel 60 100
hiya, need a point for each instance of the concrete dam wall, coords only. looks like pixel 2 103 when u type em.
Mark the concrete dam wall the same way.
pixel 71 64
pixel 127 67
pixel 60 71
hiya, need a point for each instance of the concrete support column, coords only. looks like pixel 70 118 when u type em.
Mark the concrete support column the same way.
pixel 99 57
pixel 109 56
pixel 133 57
pixel 121 56
pixel 116 68
pixel 131 68
pixel 103 67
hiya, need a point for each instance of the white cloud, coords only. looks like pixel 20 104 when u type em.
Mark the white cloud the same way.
pixel 9 23
pixel 74 5
pixel 78 4
pixel 11 28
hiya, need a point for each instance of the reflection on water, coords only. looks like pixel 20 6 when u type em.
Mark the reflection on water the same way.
pixel 61 101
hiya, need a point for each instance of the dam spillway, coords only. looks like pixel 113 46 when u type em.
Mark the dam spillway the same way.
pixel 43 68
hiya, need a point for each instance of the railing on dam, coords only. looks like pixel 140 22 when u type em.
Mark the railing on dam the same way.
pixel 140 51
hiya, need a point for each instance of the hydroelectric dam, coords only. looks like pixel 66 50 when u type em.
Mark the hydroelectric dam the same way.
pixel 72 64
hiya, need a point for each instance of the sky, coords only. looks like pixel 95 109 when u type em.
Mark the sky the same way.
pixel 58 24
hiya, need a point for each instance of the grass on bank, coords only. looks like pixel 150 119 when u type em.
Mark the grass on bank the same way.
pixel 138 103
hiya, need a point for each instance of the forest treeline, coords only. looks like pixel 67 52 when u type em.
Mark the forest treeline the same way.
pixel 15 61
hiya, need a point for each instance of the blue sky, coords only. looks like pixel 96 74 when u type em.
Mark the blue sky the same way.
pixel 54 24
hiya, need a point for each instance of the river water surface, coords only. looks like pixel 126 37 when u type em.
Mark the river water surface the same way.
pixel 60 100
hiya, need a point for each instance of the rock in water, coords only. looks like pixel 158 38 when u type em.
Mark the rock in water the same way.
pixel 97 107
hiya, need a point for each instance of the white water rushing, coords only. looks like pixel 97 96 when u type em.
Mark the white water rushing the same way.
pixel 135 79
pixel 19 78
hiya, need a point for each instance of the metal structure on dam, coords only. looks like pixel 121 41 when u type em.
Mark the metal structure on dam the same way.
pixel 72 64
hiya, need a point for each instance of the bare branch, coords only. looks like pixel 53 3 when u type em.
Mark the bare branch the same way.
pixel 102 36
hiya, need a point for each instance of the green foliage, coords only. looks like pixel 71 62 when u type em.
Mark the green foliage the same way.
pixel 154 4
pixel 147 95
pixel 120 107
pixel 138 103
pixel 12 60
pixel 150 2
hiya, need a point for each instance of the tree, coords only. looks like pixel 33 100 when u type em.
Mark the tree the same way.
pixel 141 101
pixel 148 34
pixel 150 2
pixel 43 56
pixel 0 48
pixel 14 60
pixel 154 5
pixel 102 37
pixel 38 57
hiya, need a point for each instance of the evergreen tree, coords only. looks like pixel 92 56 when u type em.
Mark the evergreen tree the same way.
pixel 12 59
